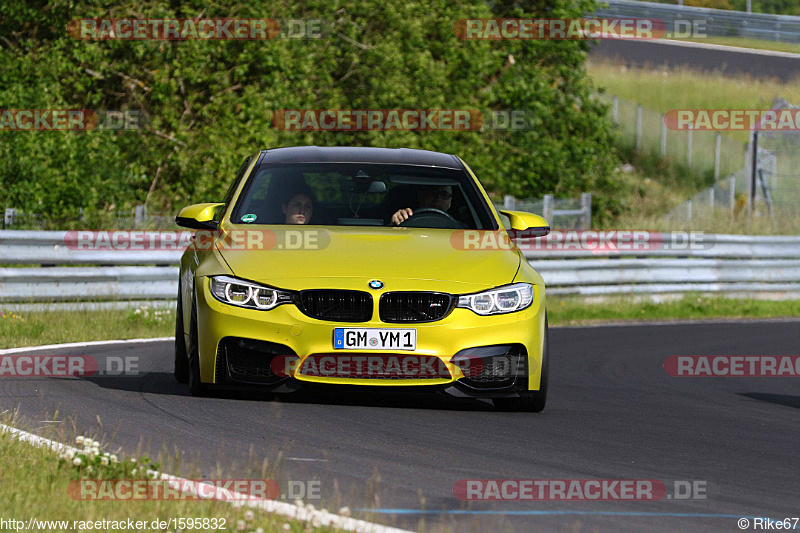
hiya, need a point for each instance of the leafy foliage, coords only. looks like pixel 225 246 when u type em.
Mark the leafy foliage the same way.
pixel 210 102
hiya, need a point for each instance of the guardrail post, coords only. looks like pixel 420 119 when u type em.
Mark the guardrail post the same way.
pixel 732 181
pixel 10 217
pixel 141 216
pixel 753 169
pixel 509 202
pixel 717 147
pixel 639 128
pixel 663 137
pixel 547 208
pixel 586 207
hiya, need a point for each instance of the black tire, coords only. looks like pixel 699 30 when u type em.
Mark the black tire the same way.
pixel 535 400
pixel 196 387
pixel 181 371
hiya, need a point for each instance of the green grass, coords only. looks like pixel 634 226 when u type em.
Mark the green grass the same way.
pixel 570 311
pixel 34 483
pixel 55 327
pixel 662 90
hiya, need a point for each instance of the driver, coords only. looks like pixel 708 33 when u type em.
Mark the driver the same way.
pixel 436 197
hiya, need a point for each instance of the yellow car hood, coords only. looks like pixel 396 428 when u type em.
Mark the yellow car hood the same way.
pixel 403 258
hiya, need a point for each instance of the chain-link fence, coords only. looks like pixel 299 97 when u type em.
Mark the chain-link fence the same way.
pixel 730 194
pixel 768 188
pixel 779 168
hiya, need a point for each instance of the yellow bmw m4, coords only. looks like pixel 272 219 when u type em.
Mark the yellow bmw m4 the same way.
pixel 365 267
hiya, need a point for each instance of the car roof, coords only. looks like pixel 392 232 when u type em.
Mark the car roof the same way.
pixel 350 154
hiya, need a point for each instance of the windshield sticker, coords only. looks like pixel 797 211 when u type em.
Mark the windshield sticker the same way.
pixel 249 218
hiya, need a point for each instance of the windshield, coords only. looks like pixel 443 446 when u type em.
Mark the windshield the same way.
pixel 357 194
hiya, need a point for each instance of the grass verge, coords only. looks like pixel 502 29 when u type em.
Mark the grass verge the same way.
pixel 38 483
pixel 574 311
pixel 662 90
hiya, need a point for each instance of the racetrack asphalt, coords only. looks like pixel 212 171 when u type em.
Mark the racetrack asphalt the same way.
pixel 613 413
pixel 698 56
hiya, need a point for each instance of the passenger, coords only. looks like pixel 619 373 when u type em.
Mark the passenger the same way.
pixel 436 197
pixel 299 207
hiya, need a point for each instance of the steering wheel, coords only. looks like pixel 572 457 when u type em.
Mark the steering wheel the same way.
pixel 430 217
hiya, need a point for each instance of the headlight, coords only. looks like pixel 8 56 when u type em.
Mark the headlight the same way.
pixel 497 301
pixel 247 294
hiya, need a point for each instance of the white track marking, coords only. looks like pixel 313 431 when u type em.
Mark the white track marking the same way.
pixel 725 48
pixel 8 351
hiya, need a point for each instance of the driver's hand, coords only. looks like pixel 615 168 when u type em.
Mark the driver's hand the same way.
pixel 401 215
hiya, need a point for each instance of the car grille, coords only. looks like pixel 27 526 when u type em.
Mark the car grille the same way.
pixel 498 371
pixel 336 305
pixel 249 361
pixel 414 306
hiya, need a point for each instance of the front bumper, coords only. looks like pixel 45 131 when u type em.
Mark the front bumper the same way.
pixel 227 332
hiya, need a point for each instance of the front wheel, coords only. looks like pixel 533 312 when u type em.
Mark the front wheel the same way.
pixel 531 400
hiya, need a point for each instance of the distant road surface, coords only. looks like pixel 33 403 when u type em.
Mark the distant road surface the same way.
pixel 700 56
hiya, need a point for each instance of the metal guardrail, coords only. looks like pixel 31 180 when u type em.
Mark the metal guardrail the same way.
pixel 63 248
pixel 718 22
pixel 729 264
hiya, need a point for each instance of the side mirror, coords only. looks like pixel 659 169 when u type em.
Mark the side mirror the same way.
pixel 198 216
pixel 527 224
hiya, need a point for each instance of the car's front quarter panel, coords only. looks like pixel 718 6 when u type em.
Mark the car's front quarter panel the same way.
pixel 196 264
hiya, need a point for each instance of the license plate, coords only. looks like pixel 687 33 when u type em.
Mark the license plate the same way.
pixel 374 339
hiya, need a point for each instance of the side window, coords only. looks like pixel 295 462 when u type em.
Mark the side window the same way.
pixel 232 189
